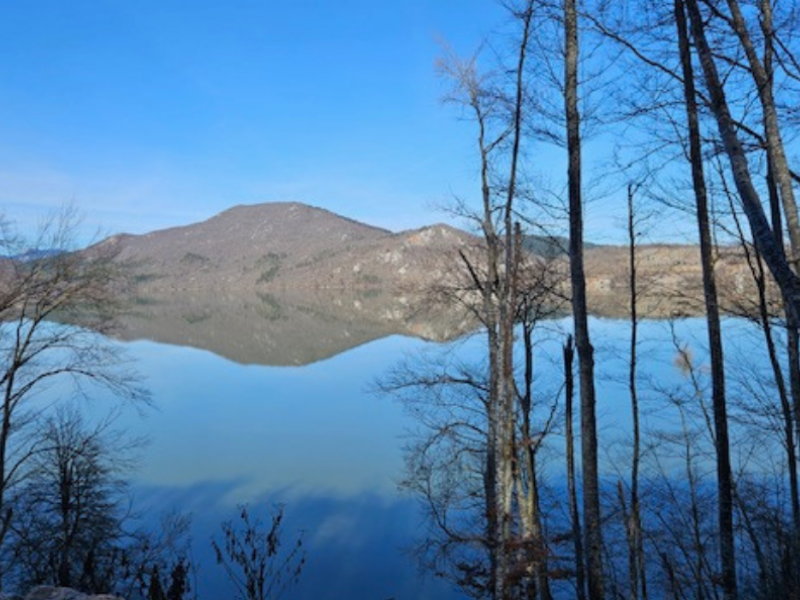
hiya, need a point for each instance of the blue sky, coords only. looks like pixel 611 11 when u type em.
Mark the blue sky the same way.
pixel 156 113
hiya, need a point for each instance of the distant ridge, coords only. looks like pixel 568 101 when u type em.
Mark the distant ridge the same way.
pixel 550 246
pixel 293 246
pixel 34 254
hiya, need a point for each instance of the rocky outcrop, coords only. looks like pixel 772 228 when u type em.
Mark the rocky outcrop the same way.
pixel 46 592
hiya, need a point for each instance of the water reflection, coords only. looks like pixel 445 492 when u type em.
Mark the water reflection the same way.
pixel 314 438
pixel 315 428
pixel 284 328
pixel 357 545
pixel 449 467
pixel 230 429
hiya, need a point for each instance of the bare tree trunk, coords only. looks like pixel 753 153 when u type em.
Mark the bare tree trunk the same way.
pixel 488 291
pixel 719 402
pixel 775 148
pixel 779 172
pixel 762 232
pixel 532 512
pixel 589 453
pixel 489 314
pixel 507 315
pixel 577 536
pixel 539 545
pixel 636 563
pixel 759 277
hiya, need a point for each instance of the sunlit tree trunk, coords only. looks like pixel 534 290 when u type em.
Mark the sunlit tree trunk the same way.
pixel 589 454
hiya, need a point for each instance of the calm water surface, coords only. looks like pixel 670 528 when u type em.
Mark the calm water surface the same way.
pixel 313 438
pixel 318 440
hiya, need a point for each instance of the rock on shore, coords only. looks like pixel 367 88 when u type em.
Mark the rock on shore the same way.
pixel 46 592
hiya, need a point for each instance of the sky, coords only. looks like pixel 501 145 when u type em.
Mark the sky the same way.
pixel 157 113
pixel 150 114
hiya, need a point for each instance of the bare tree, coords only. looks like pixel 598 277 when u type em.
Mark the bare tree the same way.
pixel 446 458
pixel 73 523
pixel 499 114
pixel 42 295
pixel 637 569
pixel 251 555
pixel 71 508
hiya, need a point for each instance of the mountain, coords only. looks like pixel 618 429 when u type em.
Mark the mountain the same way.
pixel 240 247
pixel 291 247
pixel 282 245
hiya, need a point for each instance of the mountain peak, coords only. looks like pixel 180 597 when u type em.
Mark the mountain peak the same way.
pixel 287 210
pixel 245 245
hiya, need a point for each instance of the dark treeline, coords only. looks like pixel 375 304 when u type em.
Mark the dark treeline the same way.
pixel 686 108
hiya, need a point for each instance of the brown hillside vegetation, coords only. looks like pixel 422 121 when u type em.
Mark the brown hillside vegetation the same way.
pixel 286 247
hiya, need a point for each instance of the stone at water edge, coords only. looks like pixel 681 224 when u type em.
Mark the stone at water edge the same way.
pixel 47 592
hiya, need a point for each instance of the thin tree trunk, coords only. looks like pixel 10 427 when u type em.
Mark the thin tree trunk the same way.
pixel 756 266
pixel 780 176
pixel 506 444
pixel 719 402
pixel 589 453
pixel 488 289
pixel 636 562
pixel 577 535
pixel 793 356
pixel 780 384
pixel 540 546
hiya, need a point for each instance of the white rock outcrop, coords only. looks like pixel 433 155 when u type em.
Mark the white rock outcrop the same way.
pixel 47 592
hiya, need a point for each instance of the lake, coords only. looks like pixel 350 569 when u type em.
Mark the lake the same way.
pixel 312 437
pixel 312 434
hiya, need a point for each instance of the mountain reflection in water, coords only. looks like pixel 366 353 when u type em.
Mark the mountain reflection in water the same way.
pixel 229 429
pixel 314 438
pixel 284 328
